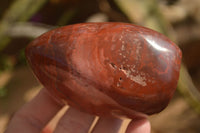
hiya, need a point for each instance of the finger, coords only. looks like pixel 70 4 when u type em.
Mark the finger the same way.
pixel 33 116
pixel 139 126
pixel 74 121
pixel 107 125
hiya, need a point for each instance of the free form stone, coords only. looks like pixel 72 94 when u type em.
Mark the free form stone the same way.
pixel 107 68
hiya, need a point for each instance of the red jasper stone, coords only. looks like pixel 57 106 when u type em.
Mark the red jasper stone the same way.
pixel 107 68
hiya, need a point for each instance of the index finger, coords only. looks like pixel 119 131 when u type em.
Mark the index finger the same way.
pixel 33 116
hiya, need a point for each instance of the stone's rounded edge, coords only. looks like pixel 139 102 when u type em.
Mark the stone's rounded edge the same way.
pixel 35 56
pixel 44 40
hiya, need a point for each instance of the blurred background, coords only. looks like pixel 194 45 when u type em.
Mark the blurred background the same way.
pixel 23 20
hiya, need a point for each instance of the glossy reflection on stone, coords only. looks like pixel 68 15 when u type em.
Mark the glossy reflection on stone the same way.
pixel 107 68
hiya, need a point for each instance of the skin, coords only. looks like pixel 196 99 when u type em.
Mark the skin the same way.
pixel 34 116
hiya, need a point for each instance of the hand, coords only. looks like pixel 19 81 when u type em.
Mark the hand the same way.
pixel 35 115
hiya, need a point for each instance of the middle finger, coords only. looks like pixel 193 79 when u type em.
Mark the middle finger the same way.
pixel 74 121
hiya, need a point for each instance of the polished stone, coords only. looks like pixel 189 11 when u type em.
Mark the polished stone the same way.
pixel 107 68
